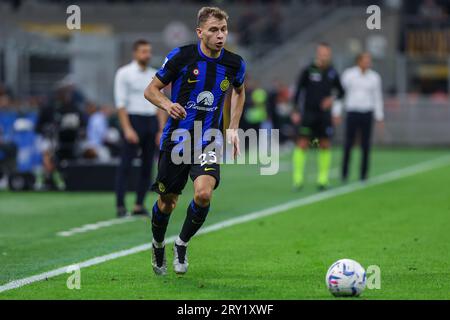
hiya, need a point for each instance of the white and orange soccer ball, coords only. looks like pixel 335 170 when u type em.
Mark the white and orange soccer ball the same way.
pixel 346 278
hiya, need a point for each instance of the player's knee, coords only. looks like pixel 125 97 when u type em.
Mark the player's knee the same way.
pixel 167 204
pixel 203 196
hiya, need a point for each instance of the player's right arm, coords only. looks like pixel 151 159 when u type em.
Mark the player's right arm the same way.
pixel 167 74
pixel 153 94
pixel 301 84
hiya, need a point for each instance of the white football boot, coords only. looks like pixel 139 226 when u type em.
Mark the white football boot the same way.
pixel 180 260
pixel 159 262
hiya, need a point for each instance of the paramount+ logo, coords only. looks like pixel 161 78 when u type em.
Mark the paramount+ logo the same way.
pixel 204 102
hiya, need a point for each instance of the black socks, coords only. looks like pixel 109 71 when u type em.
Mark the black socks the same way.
pixel 160 220
pixel 195 218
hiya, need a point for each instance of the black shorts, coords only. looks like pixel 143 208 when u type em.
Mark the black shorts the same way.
pixel 172 178
pixel 315 125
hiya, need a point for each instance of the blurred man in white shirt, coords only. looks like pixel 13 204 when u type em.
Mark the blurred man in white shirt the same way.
pixel 363 102
pixel 139 123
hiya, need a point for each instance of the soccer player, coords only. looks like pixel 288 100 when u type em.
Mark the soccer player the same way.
pixel 200 75
pixel 317 88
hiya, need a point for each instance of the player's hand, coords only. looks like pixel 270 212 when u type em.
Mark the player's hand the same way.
pixel 326 103
pixel 131 136
pixel 176 111
pixel 295 117
pixel 337 120
pixel 233 138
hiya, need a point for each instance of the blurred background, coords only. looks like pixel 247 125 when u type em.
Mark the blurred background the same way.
pixel 44 66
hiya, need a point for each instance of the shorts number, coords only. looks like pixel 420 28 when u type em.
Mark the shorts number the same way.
pixel 207 158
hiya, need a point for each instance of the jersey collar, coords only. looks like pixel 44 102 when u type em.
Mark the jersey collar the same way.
pixel 209 58
pixel 136 65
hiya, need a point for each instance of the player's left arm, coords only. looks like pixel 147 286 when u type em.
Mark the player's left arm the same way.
pixel 237 106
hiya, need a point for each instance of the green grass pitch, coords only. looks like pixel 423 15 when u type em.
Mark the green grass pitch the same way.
pixel 402 226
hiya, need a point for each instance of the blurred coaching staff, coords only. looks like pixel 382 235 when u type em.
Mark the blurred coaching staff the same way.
pixel 363 102
pixel 139 123
pixel 318 87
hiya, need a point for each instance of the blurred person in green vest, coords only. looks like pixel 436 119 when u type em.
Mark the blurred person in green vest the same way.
pixel 256 114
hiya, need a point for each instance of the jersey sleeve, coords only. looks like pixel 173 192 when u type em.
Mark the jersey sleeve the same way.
pixel 170 68
pixel 336 108
pixel 339 87
pixel 378 98
pixel 240 76
pixel 120 89
pixel 301 84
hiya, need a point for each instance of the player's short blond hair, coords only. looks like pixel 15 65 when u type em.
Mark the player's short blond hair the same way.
pixel 207 12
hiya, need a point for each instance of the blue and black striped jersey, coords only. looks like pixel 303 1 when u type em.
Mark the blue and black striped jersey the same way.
pixel 199 84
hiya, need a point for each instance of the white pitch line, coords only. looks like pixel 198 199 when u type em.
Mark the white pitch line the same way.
pixel 381 179
pixel 95 226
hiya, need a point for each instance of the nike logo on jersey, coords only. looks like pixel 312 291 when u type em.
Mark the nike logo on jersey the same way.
pixel 209 169
pixel 192 81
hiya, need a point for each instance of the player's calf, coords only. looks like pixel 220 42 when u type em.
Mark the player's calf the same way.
pixel 195 217
pixel 197 212
pixel 160 220
pixel 198 208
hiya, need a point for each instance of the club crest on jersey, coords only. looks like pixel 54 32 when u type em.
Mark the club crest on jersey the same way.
pixel 195 72
pixel 225 84
pixel 205 100
pixel 331 74
pixel 315 76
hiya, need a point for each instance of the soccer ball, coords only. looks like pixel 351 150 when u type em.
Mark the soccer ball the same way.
pixel 346 278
